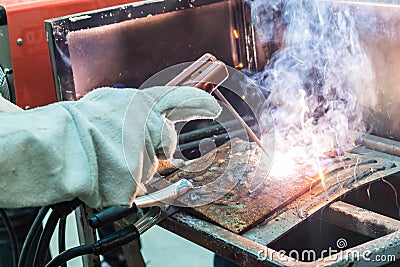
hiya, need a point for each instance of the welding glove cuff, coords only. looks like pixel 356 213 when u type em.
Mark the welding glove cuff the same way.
pixel 97 149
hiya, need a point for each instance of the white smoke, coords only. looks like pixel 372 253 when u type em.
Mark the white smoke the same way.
pixel 319 79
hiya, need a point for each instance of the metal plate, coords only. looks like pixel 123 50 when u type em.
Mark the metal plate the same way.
pixel 252 247
pixel 233 166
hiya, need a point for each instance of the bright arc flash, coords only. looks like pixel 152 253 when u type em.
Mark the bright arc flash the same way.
pixel 287 167
pixel 282 166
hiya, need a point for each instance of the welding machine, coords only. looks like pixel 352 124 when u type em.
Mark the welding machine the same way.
pixel 25 69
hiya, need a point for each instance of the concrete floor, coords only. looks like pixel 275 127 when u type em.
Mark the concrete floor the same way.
pixel 163 248
pixel 159 248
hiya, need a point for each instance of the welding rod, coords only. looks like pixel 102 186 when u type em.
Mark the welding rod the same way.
pixel 239 118
pixel 207 73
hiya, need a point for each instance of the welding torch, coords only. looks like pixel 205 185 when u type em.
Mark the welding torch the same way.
pixel 207 73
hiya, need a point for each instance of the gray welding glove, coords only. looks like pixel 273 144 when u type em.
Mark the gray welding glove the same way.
pixel 7 106
pixel 97 149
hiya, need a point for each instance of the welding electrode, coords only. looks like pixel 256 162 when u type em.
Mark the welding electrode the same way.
pixel 239 118
pixel 207 73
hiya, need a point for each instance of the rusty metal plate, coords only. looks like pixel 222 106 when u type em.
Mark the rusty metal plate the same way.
pixel 344 174
pixel 227 172
pixel 234 165
pixel 359 167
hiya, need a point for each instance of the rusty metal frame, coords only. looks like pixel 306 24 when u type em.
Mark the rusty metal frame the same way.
pixel 360 220
pixel 386 231
pixel 86 234
pixel 249 253
pixel 251 248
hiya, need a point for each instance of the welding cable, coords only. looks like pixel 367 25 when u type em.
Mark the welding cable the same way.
pixel 44 241
pixel 70 254
pixel 107 244
pixel 110 215
pixel 12 235
pixel 61 236
pixel 32 234
pixel 60 210
pixel 113 241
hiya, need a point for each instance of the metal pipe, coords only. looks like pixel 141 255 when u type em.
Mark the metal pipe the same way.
pixel 381 144
pixel 360 220
pixel 214 129
pixel 215 139
pixel 171 192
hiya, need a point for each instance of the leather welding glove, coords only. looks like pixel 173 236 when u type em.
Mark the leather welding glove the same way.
pixel 7 106
pixel 76 149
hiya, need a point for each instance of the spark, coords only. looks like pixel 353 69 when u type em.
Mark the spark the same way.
pixel 240 65
pixel 316 179
pixel 236 34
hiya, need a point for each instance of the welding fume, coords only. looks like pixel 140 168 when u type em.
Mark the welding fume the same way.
pixel 297 65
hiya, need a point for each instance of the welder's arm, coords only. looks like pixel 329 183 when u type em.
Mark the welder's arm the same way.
pixel 76 149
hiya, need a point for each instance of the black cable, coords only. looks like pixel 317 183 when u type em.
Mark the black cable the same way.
pixel 44 241
pixel 107 244
pixel 110 215
pixel 61 237
pixel 33 232
pixel 12 235
pixel 70 254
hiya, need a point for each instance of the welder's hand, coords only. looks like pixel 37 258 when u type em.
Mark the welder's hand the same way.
pixel 7 106
pixel 76 149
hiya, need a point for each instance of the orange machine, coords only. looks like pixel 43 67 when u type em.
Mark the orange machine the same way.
pixel 26 75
